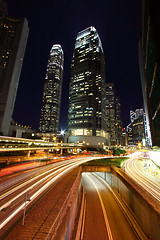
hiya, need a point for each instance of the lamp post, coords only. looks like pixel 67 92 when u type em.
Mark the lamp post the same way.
pixel 27 199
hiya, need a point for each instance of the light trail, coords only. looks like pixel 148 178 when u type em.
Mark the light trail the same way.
pixel 48 184
pixel 29 188
pixel 141 173
pixel 28 181
pixel 132 170
pixel 35 184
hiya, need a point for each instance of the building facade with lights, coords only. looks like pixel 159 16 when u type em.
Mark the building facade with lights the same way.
pixel 149 62
pixel 50 110
pixel 13 39
pixel 136 129
pixel 119 121
pixel 87 113
pixel 113 114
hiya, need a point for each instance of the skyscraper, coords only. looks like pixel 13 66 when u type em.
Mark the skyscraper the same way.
pixel 13 39
pixel 119 121
pixel 136 129
pixel 87 115
pixel 50 110
pixel 149 61
pixel 113 112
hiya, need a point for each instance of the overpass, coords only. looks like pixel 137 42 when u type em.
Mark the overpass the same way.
pixel 21 144
pixel 8 144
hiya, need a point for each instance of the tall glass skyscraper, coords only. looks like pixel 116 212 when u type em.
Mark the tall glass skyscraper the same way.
pixel 50 110
pixel 149 59
pixel 113 111
pixel 13 40
pixel 87 114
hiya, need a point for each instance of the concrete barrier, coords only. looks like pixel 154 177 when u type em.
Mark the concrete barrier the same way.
pixel 146 211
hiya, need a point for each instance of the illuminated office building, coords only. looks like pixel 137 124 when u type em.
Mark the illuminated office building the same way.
pixel 136 128
pixel 13 39
pixel 50 110
pixel 113 113
pixel 119 121
pixel 149 61
pixel 87 115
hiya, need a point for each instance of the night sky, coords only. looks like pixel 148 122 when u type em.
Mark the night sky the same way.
pixel 118 23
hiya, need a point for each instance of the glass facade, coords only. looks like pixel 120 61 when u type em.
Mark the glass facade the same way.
pixel 149 52
pixel 113 111
pixel 50 110
pixel 136 129
pixel 86 114
pixel 13 39
pixel 119 121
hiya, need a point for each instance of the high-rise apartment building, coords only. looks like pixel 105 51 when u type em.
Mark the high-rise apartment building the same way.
pixel 149 61
pixel 13 39
pixel 87 114
pixel 113 111
pixel 50 110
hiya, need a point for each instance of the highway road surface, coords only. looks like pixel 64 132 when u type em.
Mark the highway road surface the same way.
pixel 105 217
pixel 135 168
pixel 12 198
pixel 31 187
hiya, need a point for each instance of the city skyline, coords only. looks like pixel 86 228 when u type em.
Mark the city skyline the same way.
pixel 119 29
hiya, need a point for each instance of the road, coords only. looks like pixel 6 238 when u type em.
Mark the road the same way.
pixel 135 168
pixel 104 218
pixel 34 184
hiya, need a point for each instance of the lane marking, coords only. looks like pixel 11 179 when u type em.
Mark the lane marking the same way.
pixel 84 215
pixel 103 210
pixel 139 178
pixel 29 181
pixel 38 192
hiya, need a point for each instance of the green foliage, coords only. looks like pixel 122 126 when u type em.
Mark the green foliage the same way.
pixel 118 152
pixel 106 161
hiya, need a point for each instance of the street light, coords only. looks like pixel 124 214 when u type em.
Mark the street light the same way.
pixel 139 145
pixel 54 139
pixel 62 132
